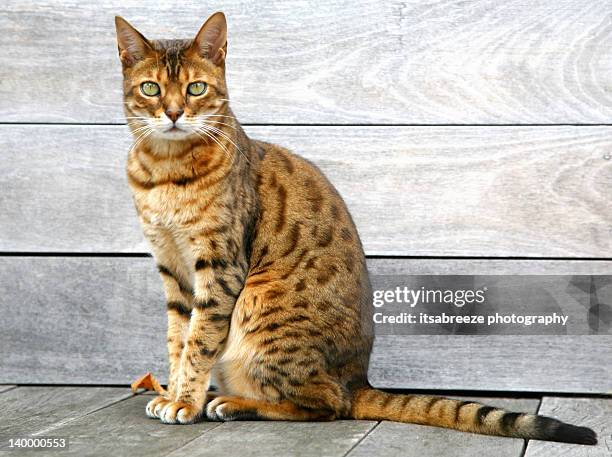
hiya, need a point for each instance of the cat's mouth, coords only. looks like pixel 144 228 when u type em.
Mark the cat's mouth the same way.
pixel 173 133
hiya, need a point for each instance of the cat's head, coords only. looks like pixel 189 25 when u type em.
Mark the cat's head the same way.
pixel 174 88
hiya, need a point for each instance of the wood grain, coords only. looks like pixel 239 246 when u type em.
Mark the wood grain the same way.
pixel 304 439
pixel 408 62
pixel 391 439
pixel 34 410
pixel 123 429
pixel 102 320
pixel 595 413
pixel 446 191
pixel 493 363
pixel 5 388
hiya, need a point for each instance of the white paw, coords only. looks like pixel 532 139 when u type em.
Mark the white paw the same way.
pixel 154 407
pixel 215 410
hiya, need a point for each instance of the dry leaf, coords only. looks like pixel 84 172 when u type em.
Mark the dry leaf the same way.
pixel 148 382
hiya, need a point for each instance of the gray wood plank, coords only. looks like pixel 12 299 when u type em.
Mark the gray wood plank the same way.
pixel 36 410
pixel 589 412
pixel 476 192
pixel 6 387
pixel 94 307
pixel 98 321
pixel 123 429
pixel 494 362
pixel 506 363
pixel 392 439
pixel 383 266
pixel 343 62
pixel 282 439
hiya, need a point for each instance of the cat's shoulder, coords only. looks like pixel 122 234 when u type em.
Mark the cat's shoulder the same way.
pixel 278 159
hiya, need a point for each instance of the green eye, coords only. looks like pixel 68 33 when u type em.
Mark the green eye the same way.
pixel 150 89
pixel 197 88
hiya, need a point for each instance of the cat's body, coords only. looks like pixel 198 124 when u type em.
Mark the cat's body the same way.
pixel 263 270
pixel 299 284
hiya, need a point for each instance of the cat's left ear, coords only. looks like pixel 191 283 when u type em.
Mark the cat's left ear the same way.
pixel 211 41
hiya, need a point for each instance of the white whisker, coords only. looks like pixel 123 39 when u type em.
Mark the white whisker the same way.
pixel 224 135
pixel 227 153
pixel 196 123
pixel 140 139
pixel 218 115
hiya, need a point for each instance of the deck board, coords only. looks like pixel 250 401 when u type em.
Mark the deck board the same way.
pixel 392 439
pixel 279 439
pixel 435 191
pixel 407 62
pixel 34 410
pixel 123 429
pixel 595 413
pixel 493 362
pixel 110 421
pixel 124 315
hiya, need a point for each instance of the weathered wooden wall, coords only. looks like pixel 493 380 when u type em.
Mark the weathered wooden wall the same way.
pixel 462 134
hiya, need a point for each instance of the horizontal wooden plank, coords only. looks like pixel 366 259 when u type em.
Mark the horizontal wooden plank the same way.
pixel 393 267
pixel 391 439
pixel 343 62
pixel 40 409
pixel 304 439
pixel 492 362
pixel 94 307
pixel 103 320
pixel 122 429
pixel 588 412
pixel 470 191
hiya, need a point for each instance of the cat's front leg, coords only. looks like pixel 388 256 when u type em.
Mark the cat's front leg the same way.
pixel 178 322
pixel 179 298
pixel 216 290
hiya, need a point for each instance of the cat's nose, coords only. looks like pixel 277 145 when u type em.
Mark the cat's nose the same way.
pixel 174 114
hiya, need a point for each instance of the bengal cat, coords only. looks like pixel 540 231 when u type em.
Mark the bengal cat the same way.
pixel 263 270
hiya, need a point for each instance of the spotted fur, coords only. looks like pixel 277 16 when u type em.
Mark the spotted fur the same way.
pixel 264 274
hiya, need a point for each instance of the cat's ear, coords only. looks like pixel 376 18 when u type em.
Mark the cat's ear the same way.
pixel 211 40
pixel 133 46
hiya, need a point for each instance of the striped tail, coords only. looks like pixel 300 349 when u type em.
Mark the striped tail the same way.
pixel 466 416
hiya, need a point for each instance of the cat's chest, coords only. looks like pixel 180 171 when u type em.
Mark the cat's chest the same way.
pixel 167 206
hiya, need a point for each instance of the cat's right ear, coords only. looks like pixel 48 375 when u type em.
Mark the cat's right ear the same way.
pixel 133 46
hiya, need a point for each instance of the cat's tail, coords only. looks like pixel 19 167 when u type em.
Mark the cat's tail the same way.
pixel 467 416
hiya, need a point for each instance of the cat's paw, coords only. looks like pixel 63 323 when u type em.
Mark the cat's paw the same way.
pixel 228 409
pixel 179 412
pixel 155 406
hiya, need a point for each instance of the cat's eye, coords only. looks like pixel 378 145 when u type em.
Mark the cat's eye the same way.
pixel 150 89
pixel 197 88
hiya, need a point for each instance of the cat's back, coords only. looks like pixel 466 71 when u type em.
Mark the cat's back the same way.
pixel 293 192
pixel 306 243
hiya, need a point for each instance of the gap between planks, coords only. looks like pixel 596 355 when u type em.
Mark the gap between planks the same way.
pixel 526 442
pixel 279 124
pixel 146 255
pixel 365 435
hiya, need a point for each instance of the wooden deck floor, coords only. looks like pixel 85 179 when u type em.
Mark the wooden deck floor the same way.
pixel 103 421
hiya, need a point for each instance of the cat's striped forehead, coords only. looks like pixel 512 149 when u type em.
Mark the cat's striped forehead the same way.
pixel 171 55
